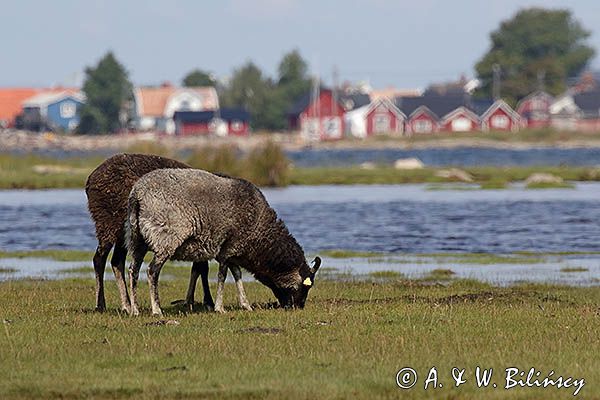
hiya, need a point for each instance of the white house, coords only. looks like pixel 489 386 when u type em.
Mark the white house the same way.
pixel 155 106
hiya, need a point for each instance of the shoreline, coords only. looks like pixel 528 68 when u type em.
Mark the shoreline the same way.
pixel 20 141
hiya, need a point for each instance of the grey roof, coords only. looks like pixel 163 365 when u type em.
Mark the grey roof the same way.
pixel 354 100
pixel 588 103
pixel 440 105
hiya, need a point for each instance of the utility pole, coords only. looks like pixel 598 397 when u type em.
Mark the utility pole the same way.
pixel 496 81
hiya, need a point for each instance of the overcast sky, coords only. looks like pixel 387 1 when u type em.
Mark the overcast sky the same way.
pixel 387 42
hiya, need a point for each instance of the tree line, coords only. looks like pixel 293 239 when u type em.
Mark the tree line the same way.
pixel 110 93
pixel 535 49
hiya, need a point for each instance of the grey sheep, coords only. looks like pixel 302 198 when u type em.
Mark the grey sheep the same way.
pixel 193 215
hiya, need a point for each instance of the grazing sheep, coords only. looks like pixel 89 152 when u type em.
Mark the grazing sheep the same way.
pixel 194 215
pixel 107 189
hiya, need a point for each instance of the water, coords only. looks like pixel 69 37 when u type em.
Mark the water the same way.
pixel 462 156
pixel 465 156
pixel 383 218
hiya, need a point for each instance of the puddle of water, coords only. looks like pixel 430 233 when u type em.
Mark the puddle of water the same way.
pixel 502 274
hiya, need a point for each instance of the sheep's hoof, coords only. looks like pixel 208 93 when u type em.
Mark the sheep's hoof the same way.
pixel 247 307
pixel 220 310
pixel 209 307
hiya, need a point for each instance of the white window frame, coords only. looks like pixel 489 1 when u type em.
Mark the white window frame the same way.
pixel 68 109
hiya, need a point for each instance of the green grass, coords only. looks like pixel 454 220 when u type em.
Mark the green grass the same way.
pixel 17 172
pixel 548 185
pixel 58 255
pixel 341 253
pixel 386 274
pixel 348 342
pixel 574 269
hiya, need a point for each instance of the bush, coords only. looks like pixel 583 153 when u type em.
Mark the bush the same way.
pixel 268 166
pixel 264 166
pixel 223 159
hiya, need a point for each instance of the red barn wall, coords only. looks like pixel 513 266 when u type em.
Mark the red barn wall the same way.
pixel 194 128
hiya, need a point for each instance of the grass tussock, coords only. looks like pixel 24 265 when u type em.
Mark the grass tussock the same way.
pixel 574 269
pixel 265 165
pixel 349 341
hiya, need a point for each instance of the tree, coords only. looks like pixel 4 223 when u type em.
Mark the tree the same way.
pixel 198 77
pixel 108 90
pixel 537 47
pixel 250 90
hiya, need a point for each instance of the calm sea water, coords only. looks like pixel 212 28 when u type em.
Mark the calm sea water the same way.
pixel 387 218
pixel 466 156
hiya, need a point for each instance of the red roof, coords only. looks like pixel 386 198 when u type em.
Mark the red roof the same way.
pixel 11 100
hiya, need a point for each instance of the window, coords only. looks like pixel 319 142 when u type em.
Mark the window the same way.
pixel 381 123
pixel 332 127
pixel 237 125
pixel 499 122
pixel 422 126
pixel 68 109
pixel 461 124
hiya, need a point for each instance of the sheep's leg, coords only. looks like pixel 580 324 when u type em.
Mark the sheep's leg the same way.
pixel 220 286
pixel 118 265
pixel 237 275
pixel 134 273
pixel 99 264
pixel 199 269
pixel 153 273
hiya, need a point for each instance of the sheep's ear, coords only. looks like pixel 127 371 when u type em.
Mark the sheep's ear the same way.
pixel 316 265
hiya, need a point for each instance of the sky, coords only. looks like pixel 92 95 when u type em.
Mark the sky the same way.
pixel 407 44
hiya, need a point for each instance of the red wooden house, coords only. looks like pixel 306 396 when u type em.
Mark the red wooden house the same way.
pixel 500 117
pixel 535 110
pixel 383 117
pixel 460 119
pixel 422 120
pixel 318 116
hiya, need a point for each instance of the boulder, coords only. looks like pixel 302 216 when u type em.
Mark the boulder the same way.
pixel 454 174
pixel 543 178
pixel 409 163
pixel 368 165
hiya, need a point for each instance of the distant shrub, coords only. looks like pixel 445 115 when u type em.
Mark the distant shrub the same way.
pixel 268 166
pixel 150 147
pixel 224 159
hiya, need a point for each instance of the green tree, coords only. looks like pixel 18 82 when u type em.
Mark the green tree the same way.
pixel 108 92
pixel 198 77
pixel 248 88
pixel 537 46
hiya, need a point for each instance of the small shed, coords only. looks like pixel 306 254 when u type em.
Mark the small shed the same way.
pixel 221 122
pixel 534 109
pixel 383 117
pixel 500 117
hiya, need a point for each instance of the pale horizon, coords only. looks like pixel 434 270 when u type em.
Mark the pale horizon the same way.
pixel 406 45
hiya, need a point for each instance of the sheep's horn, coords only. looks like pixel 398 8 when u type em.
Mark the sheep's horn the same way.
pixel 316 264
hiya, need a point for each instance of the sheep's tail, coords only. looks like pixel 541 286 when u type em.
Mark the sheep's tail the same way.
pixel 132 223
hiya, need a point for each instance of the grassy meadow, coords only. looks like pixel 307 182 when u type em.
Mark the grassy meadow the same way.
pixel 37 172
pixel 349 342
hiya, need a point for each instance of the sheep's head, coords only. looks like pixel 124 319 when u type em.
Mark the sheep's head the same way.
pixel 295 296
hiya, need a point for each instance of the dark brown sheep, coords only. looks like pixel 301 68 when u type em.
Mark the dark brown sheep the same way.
pixel 107 189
